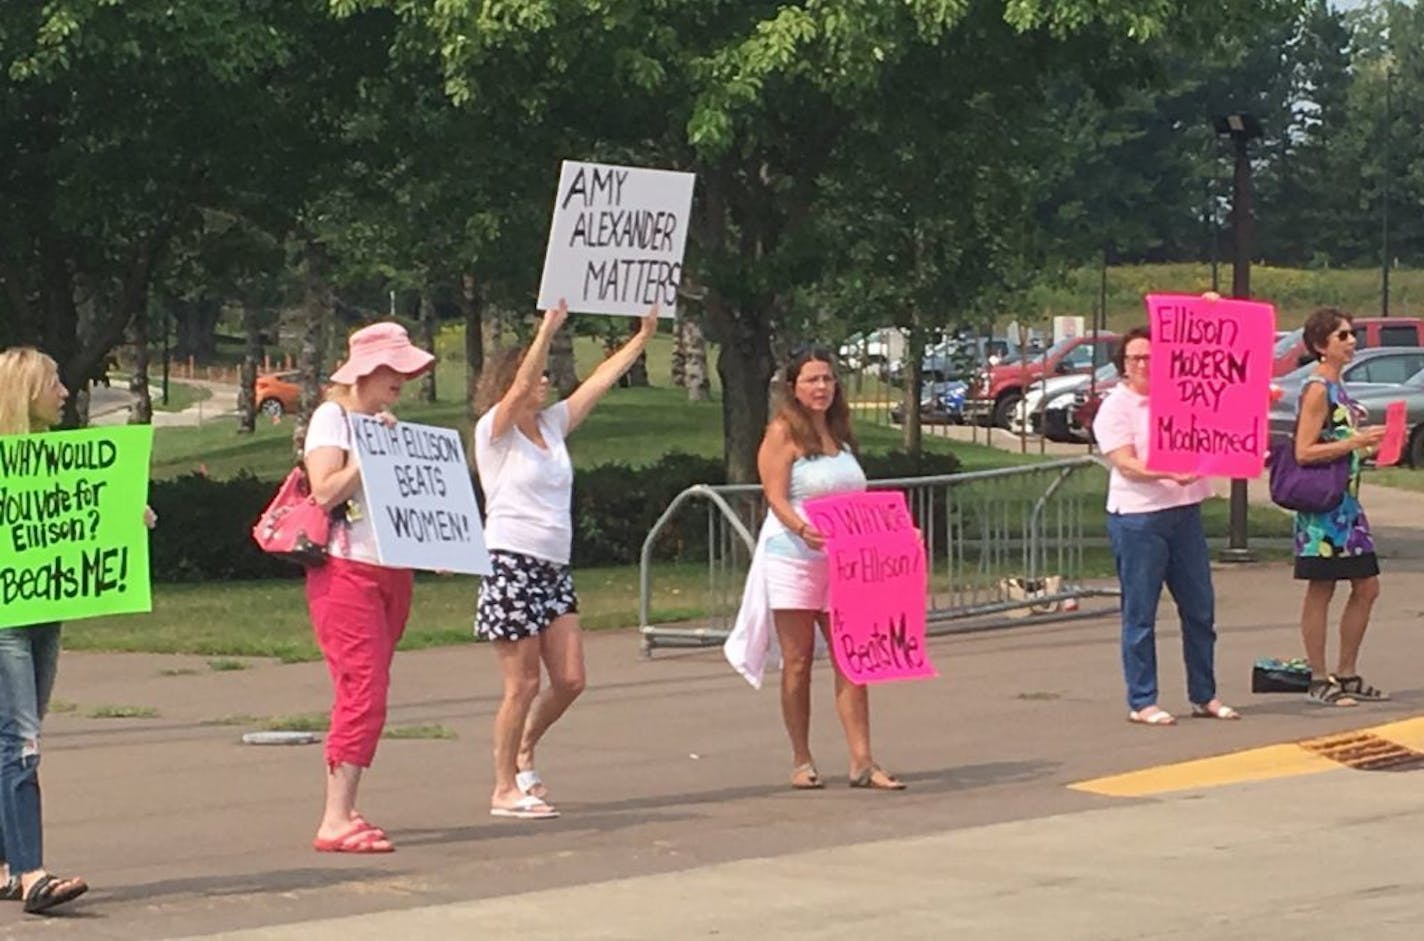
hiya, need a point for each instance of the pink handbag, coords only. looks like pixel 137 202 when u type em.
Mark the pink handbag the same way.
pixel 293 526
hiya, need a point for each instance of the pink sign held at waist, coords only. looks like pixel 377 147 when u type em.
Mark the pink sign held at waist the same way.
pixel 1391 448
pixel 878 579
pixel 1210 385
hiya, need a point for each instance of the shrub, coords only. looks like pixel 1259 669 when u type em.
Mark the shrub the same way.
pixel 205 525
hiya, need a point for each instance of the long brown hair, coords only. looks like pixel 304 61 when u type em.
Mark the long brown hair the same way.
pixel 497 376
pixel 25 375
pixel 798 418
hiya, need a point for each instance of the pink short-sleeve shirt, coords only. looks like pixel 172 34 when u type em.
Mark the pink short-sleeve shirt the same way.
pixel 1123 421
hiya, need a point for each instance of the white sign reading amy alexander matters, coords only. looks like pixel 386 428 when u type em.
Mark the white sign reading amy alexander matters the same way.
pixel 615 246
pixel 419 496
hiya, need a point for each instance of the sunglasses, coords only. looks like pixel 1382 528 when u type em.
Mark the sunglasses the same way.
pixel 1344 333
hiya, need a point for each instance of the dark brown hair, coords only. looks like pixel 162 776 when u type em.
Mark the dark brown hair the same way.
pixel 1120 351
pixel 1320 324
pixel 497 376
pixel 798 418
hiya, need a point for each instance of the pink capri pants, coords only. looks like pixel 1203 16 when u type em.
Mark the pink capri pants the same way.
pixel 358 612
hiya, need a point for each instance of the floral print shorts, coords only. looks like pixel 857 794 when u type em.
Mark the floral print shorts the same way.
pixel 522 596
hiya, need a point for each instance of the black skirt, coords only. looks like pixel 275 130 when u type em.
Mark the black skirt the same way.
pixel 1335 568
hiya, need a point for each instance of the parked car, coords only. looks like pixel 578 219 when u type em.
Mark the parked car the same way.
pixel 941 403
pixel 995 392
pixel 278 393
pixel 1369 372
pixel 1372 333
pixel 1029 413
pixel 1374 401
pixel 872 348
pixel 956 358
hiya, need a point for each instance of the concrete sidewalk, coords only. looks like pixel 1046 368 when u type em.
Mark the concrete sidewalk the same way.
pixel 116 403
pixel 668 769
pixel 1240 863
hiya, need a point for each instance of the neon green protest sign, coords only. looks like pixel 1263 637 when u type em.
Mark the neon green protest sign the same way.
pixel 73 543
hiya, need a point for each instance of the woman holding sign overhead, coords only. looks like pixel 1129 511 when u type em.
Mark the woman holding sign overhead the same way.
pixel 527 607
pixel 358 608
pixel 1335 545
pixel 808 451
pixel 1155 526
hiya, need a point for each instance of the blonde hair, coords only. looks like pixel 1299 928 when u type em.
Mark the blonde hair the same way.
pixel 25 375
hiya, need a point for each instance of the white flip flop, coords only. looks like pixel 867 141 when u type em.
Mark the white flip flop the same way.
pixel 526 808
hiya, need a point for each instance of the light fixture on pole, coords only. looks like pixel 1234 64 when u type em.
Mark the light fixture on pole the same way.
pixel 1240 129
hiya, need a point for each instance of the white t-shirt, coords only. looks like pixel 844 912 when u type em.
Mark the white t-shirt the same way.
pixel 353 537
pixel 528 489
pixel 1123 420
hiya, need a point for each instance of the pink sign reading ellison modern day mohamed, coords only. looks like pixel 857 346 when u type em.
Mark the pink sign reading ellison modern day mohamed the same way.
pixel 1210 385
pixel 878 578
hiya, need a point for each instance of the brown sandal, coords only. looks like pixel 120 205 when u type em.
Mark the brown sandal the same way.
pixel 877 779
pixel 806 778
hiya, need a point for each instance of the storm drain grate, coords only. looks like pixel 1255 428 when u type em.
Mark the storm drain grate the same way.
pixel 1365 752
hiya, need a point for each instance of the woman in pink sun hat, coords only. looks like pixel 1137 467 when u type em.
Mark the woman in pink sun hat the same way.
pixel 358 607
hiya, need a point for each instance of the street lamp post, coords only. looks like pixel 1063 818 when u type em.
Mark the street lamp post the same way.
pixel 1384 205
pixel 1240 129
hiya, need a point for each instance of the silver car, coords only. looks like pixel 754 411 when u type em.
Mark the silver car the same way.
pixel 1412 394
pixel 1375 370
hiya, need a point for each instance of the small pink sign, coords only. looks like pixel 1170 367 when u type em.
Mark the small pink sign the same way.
pixel 1210 385
pixel 1391 447
pixel 878 581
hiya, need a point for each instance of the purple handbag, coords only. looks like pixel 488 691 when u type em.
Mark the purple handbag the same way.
pixel 1306 488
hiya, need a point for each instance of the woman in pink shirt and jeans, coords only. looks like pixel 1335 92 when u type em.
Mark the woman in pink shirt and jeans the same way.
pixel 1155 524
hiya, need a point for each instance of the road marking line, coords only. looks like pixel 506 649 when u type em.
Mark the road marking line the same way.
pixel 1291 759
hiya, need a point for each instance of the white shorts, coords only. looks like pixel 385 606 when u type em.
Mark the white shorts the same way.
pixel 794 584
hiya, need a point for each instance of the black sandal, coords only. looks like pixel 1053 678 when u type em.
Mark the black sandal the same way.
pixel 1327 691
pixel 10 891
pixel 49 891
pixel 1356 688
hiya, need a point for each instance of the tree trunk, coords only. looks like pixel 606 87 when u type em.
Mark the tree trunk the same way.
pixel 492 330
pixel 638 372
pixel 911 429
pixel 694 362
pixel 470 309
pixel 562 374
pixel 745 365
pixel 316 310
pixel 679 349
pixel 428 329
pixel 196 326
pixel 247 381
pixel 142 410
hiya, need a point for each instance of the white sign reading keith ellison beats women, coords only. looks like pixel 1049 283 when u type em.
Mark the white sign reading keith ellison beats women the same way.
pixel 420 497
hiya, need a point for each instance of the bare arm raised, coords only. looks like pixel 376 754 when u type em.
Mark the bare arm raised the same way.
pixel 531 370
pixel 586 396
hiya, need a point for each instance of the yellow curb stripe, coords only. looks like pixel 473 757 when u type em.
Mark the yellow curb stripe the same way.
pixel 1254 764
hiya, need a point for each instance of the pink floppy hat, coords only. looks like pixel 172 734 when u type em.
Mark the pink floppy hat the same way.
pixel 381 344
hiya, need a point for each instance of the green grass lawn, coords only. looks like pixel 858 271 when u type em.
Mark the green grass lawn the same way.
pixel 1405 478
pixel 631 426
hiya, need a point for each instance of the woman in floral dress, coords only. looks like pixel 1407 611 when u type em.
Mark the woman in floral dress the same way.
pixel 1335 545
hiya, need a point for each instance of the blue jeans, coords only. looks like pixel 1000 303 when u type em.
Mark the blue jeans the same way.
pixel 1152 549
pixel 29 657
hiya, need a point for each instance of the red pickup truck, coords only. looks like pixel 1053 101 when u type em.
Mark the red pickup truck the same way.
pixel 996 390
pixel 1371 332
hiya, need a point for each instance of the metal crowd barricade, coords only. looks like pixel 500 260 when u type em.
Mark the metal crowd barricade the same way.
pixel 1010 542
